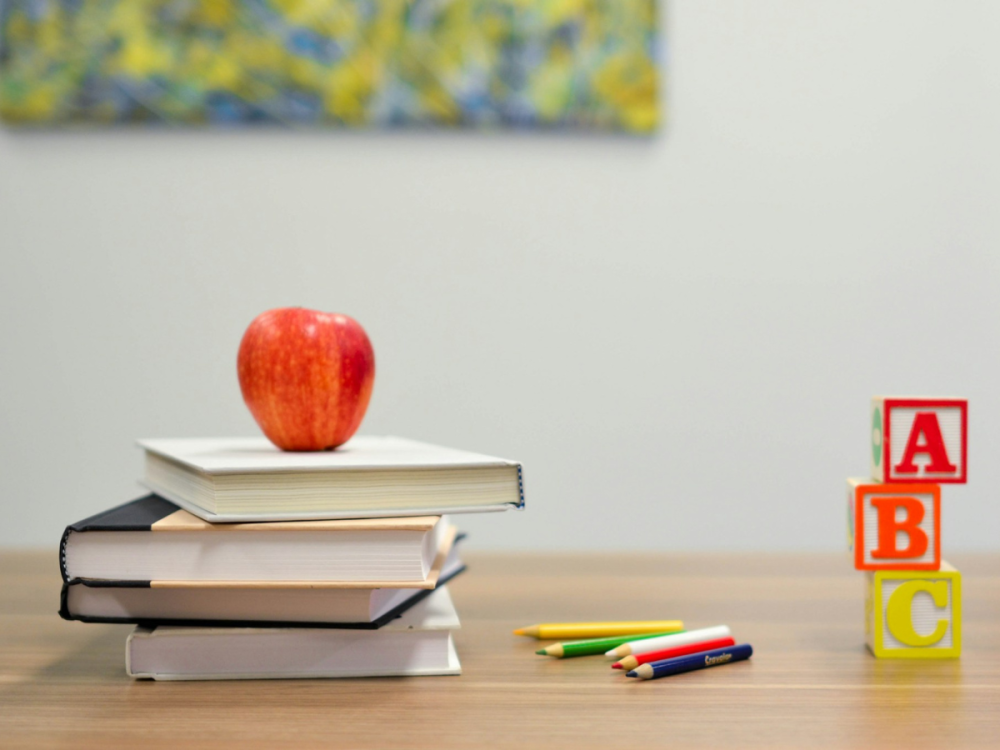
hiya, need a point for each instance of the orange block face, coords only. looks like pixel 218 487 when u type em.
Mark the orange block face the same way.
pixel 895 526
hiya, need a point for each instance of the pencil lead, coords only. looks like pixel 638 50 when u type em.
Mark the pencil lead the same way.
pixel 519 631
pixel 542 652
pixel 616 665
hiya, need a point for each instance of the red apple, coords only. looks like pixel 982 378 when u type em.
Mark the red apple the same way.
pixel 306 377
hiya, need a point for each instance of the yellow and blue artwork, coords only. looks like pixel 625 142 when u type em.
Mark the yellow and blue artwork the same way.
pixel 487 64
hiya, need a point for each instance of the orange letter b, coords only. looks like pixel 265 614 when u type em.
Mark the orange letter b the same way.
pixel 888 526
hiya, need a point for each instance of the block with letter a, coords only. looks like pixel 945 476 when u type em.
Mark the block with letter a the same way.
pixel 913 614
pixel 894 526
pixel 919 440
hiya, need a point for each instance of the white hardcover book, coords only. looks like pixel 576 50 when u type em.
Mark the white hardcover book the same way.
pixel 418 643
pixel 249 479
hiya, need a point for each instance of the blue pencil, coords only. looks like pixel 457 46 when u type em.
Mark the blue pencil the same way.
pixel 678 664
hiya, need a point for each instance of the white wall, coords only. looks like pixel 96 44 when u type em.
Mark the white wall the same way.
pixel 678 337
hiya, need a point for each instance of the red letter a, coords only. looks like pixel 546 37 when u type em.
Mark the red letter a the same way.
pixel 925 424
pixel 888 526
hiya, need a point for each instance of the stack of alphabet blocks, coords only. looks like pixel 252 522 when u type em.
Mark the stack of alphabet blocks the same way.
pixel 913 599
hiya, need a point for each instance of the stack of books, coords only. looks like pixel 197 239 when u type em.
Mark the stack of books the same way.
pixel 249 562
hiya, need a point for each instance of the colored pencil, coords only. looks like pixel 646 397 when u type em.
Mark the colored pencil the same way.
pixel 631 662
pixel 592 646
pixel 560 630
pixel 714 658
pixel 668 641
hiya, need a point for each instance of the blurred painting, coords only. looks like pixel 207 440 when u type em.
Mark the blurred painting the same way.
pixel 488 64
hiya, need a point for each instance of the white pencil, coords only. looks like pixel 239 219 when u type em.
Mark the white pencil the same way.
pixel 648 645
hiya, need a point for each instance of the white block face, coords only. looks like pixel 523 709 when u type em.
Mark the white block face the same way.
pixel 871 528
pixel 924 614
pixel 901 422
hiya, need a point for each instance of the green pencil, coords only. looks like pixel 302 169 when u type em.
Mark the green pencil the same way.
pixel 594 645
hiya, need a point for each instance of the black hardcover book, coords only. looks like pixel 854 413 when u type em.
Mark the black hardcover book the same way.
pixel 151 539
pixel 137 603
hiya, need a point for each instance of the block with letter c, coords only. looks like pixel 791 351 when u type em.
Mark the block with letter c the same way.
pixel 914 614
pixel 894 526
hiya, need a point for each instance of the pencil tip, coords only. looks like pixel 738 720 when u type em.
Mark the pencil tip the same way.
pixel 633 673
pixel 616 665
pixel 542 652
pixel 519 631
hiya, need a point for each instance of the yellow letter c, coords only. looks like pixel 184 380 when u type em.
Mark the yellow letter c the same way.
pixel 899 612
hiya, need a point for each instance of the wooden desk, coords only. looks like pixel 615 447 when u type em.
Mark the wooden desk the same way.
pixel 810 683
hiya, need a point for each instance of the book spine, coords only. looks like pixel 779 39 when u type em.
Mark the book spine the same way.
pixel 62 554
pixel 64 611
pixel 64 603
pixel 128 654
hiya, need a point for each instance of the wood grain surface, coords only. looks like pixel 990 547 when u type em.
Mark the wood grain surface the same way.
pixel 810 683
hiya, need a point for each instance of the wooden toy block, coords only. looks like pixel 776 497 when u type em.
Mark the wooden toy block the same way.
pixel 894 526
pixel 920 439
pixel 914 614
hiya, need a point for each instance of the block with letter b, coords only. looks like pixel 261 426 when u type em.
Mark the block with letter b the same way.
pixel 920 439
pixel 894 526
pixel 913 614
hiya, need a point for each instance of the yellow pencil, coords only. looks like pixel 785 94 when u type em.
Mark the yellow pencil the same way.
pixel 561 630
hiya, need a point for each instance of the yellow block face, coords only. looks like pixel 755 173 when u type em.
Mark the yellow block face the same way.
pixel 914 614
